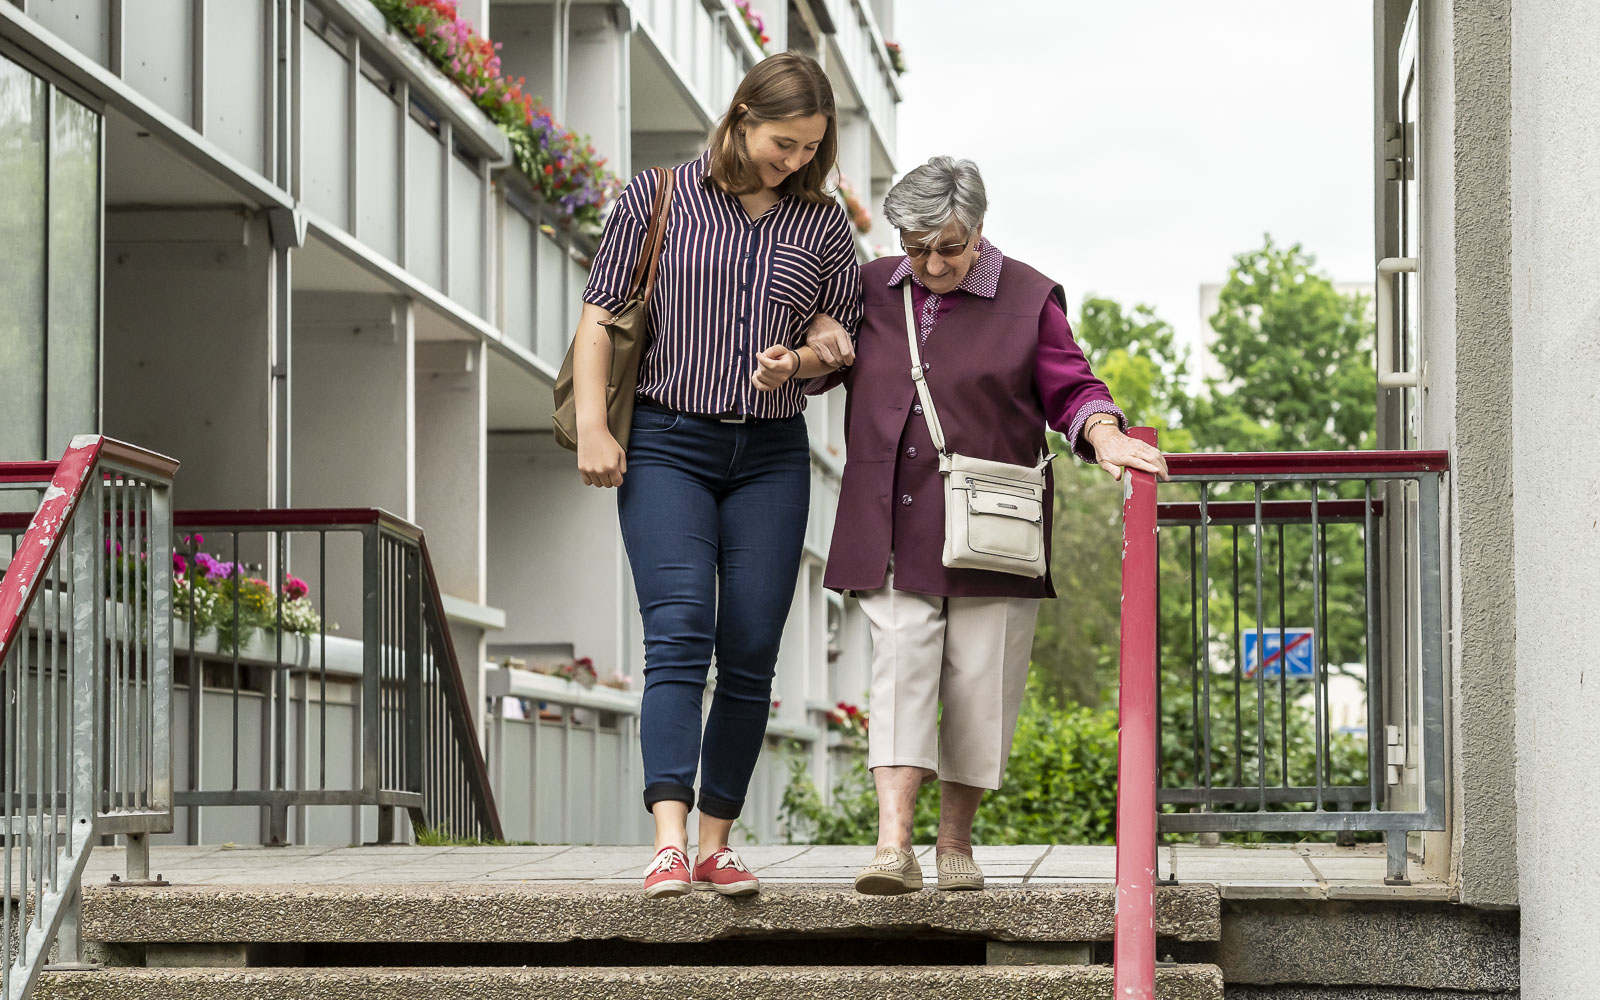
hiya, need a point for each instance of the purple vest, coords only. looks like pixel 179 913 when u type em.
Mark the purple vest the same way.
pixel 980 362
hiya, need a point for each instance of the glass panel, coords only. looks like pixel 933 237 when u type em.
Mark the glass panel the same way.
pixel 517 276
pixel 378 193
pixel 22 255
pixel 424 200
pixel 466 236
pixel 74 337
pixel 327 116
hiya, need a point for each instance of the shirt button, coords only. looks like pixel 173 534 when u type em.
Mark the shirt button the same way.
pixel 905 501
pixel 926 366
pixel 911 453
pixel 917 409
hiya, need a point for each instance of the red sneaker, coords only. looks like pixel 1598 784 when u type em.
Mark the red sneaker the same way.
pixel 668 874
pixel 725 872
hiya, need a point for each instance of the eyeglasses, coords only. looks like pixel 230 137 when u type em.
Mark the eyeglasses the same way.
pixel 949 251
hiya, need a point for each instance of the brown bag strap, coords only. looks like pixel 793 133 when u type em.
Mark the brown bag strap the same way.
pixel 644 272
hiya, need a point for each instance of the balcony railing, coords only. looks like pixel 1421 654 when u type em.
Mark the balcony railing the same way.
pixel 294 702
pixel 862 46
pixel 85 684
pixel 564 760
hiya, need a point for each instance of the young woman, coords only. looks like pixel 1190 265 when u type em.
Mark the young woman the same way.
pixel 714 485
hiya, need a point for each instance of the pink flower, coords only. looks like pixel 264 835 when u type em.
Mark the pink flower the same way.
pixel 294 588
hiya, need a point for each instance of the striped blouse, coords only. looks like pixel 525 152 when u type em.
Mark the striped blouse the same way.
pixel 728 288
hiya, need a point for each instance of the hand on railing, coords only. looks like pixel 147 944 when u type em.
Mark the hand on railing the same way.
pixel 1115 451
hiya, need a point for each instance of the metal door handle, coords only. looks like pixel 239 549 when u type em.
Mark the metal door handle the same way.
pixel 1388 377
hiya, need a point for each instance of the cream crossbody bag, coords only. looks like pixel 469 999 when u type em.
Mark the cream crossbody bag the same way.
pixel 993 511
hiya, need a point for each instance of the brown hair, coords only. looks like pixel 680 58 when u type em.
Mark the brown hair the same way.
pixel 787 85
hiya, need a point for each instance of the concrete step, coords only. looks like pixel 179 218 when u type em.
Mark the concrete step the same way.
pixel 442 912
pixel 1087 982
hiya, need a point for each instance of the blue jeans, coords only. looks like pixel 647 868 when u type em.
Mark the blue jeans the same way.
pixel 714 517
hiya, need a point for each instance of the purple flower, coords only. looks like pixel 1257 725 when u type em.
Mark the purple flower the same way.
pixel 214 570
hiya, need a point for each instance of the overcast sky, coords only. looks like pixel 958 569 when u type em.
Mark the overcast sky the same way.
pixel 1132 147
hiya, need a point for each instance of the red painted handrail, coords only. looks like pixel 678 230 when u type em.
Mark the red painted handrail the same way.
pixel 309 518
pixel 1211 464
pixel 43 530
pixel 1244 511
pixel 43 537
pixel 1134 944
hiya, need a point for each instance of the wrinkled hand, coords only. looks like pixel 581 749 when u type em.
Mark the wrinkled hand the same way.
pixel 1116 451
pixel 831 342
pixel 774 366
pixel 601 460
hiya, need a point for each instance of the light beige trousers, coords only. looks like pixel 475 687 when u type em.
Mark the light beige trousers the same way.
pixel 971 654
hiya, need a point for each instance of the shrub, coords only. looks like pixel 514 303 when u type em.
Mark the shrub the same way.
pixel 1060 787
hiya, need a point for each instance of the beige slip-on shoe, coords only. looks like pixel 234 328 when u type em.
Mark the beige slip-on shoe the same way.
pixel 958 871
pixel 891 873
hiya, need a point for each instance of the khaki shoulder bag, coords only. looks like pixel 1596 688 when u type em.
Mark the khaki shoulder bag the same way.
pixel 993 511
pixel 629 333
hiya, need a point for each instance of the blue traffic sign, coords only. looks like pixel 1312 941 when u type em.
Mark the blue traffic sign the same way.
pixel 1301 643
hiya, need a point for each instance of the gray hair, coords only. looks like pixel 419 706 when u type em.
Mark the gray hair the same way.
pixel 930 196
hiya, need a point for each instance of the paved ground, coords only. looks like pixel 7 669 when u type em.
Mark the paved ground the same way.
pixel 1315 871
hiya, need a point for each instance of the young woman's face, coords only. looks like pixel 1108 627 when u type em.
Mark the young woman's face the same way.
pixel 779 148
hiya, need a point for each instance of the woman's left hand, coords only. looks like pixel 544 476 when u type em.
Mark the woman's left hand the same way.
pixel 774 366
pixel 1116 451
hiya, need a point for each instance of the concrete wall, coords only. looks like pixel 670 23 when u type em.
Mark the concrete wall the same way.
pixel 187 336
pixel 1555 161
pixel 556 563
pixel 1483 586
pixel 1463 172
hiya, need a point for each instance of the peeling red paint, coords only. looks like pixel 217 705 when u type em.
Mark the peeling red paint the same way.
pixel 39 545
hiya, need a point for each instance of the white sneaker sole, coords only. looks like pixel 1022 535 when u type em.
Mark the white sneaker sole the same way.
pixel 664 890
pixel 746 888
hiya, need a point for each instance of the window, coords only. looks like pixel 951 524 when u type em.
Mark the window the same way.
pixel 50 218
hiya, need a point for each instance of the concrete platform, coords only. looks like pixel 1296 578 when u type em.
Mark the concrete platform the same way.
pixel 534 912
pixel 1312 871
pixel 1198 982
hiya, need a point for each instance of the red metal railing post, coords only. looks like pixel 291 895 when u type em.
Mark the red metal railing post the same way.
pixel 1134 946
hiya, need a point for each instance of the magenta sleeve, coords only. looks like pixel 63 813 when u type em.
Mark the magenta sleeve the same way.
pixel 1068 387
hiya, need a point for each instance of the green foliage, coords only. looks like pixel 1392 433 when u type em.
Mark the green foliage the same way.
pixel 1295 353
pixel 1297 358
pixel 438 837
pixel 1060 787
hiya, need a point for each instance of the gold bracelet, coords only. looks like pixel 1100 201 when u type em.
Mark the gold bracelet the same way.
pixel 1092 422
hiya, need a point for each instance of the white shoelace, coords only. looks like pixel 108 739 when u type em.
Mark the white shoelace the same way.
pixel 664 861
pixel 726 858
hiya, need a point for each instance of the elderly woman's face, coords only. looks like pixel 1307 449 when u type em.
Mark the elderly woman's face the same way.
pixel 938 273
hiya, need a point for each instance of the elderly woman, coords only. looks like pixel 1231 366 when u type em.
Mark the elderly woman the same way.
pixel 1000 363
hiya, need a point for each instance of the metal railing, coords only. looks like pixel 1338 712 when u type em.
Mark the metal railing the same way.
pixel 1301 634
pixel 85 681
pixel 416 746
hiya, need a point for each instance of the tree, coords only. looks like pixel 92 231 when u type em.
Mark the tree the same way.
pixel 1075 648
pixel 1297 358
pixel 1296 362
